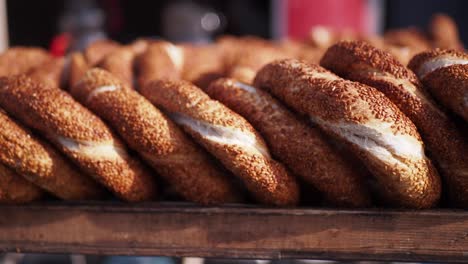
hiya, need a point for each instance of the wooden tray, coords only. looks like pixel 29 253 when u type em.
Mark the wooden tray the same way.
pixel 235 231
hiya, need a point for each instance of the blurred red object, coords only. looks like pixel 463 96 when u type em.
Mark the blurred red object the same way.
pixel 302 15
pixel 60 44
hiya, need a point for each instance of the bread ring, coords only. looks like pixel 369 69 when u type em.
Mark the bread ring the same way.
pixel 97 50
pixel 79 134
pixel 361 62
pixel 444 32
pixel 77 67
pixel 382 136
pixel 161 60
pixel 41 164
pixel 15 189
pixel 445 74
pixel 51 72
pixel 228 137
pixel 159 141
pixel 300 147
pixel 120 64
pixel 18 60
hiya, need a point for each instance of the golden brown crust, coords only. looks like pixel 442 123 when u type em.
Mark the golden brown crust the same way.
pixel 410 37
pixel 444 32
pixel 97 50
pixel 444 142
pixel 120 64
pixel 156 63
pixel 139 46
pixel 301 51
pixel 382 136
pixel 51 71
pixel 417 61
pixel 156 138
pixel 41 164
pixel 14 189
pixel 447 81
pixel 79 134
pixel 77 68
pixel 18 60
pixel 245 56
pixel 202 64
pixel 300 147
pixel 228 137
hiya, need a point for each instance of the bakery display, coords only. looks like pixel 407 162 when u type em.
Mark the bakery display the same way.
pixel 359 61
pixel 302 148
pixel 79 134
pixel 241 120
pixel 375 129
pixel 39 163
pixel 156 138
pixel 227 136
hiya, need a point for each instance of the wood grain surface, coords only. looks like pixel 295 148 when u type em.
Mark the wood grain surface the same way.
pixel 235 231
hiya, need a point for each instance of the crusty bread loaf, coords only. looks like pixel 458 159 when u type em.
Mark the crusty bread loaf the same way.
pixel 15 189
pixel 75 68
pixel 161 60
pixel 302 148
pixel 186 166
pixel 99 49
pixel 17 60
pixel 41 164
pixel 444 74
pixel 227 136
pixel 446 145
pixel 382 136
pixel 79 134
pixel 120 64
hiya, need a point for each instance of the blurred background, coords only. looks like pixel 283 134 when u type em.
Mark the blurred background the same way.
pixel 70 24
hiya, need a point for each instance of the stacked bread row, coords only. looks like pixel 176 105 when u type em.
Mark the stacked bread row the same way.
pixel 235 121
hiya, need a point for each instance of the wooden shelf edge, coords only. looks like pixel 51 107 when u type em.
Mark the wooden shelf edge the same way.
pixel 235 231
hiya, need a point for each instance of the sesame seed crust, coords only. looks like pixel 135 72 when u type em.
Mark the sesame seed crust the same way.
pixel 448 83
pixel 78 134
pixel 445 144
pixel 120 64
pixel 245 56
pixel 14 189
pixel 77 68
pixel 409 180
pixel 17 60
pixel 42 165
pixel 266 179
pixel 203 64
pixel 302 148
pixel 156 138
pixel 156 64
pixel 97 50
pixel 417 61
pixel 51 71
